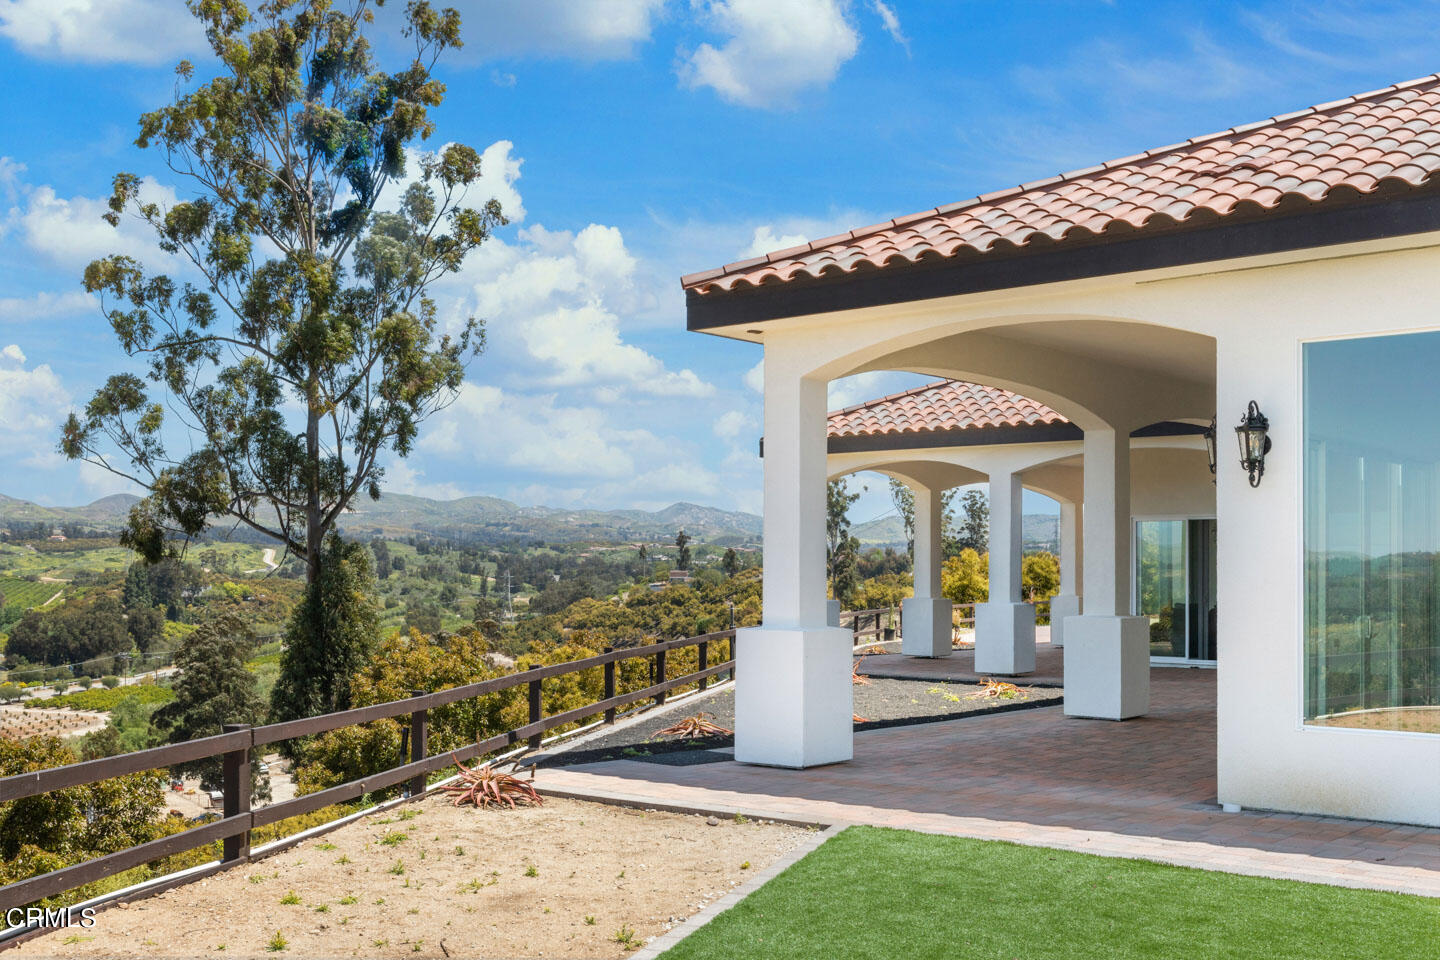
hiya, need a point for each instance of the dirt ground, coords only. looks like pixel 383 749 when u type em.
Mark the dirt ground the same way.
pixel 568 879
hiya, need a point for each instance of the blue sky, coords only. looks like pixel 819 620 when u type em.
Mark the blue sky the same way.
pixel 631 141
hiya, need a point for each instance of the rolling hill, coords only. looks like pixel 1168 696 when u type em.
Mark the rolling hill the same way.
pixel 486 519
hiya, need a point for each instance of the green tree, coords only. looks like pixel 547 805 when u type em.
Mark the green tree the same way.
pixel 73 824
pixel 973 531
pixel 330 634
pixel 682 551
pixel 1040 576
pixel 214 689
pixel 308 297
pixel 136 592
pixel 965 577
pixel 730 563
pixel 904 500
pixel 145 626
pixel 842 551
pixel 381 550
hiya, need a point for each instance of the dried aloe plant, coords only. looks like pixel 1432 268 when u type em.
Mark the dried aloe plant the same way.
pixel 695 726
pixel 856 677
pixel 997 690
pixel 484 786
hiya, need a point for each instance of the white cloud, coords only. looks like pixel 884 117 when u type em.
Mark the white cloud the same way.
pixel 498 173
pixel 891 23
pixel 755 377
pixel 43 306
pixel 765 241
pixel 732 423
pixel 608 30
pixel 401 477
pixel 32 404
pixel 146 32
pixel 872 385
pixel 583 345
pixel 70 231
pixel 774 49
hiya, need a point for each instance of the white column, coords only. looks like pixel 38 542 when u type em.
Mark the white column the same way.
pixel 1067 602
pixel 792 690
pixel 1107 655
pixel 1005 627
pixel 927 615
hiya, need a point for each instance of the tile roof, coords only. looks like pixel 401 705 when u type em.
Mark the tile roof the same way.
pixel 943 405
pixel 1348 148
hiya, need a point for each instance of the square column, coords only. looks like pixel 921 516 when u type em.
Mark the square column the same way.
pixel 1005 627
pixel 1067 602
pixel 927 615
pixel 792 691
pixel 1107 652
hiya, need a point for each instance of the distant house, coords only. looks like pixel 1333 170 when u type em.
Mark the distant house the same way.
pixel 680 576
pixel 57 536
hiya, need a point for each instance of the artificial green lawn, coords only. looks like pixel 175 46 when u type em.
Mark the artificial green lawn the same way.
pixel 886 894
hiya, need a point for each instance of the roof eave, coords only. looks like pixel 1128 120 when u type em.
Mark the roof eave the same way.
pixel 1328 224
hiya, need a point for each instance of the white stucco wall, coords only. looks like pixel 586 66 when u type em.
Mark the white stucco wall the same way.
pixel 1258 311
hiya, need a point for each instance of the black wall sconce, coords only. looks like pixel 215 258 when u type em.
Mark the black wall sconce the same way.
pixel 1210 446
pixel 1254 438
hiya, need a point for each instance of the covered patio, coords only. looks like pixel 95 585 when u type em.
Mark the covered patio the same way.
pixel 1143 789
pixel 1278 275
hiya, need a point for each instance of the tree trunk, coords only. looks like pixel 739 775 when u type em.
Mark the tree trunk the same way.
pixel 314 536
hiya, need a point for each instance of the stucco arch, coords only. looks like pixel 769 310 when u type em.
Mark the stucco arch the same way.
pixel 1100 372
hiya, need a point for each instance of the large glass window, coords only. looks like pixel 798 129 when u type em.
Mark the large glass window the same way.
pixel 1372 533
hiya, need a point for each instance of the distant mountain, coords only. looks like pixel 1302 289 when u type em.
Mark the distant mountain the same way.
pixel 487 519
pixel 1041 531
pixel 492 519
pixel 107 513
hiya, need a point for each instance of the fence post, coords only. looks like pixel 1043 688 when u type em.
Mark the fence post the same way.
pixel 236 786
pixel 419 737
pixel 734 642
pixel 609 685
pixel 660 675
pixel 704 662
pixel 535 711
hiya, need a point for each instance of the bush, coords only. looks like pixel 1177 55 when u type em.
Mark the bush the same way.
pixel 82 681
pixel 110 682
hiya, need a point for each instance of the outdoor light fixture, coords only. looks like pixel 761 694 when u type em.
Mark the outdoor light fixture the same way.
pixel 1253 434
pixel 1210 446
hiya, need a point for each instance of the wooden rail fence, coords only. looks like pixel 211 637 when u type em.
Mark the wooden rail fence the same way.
pixel 234 744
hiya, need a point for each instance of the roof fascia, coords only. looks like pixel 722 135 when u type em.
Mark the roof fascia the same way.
pixel 1353 223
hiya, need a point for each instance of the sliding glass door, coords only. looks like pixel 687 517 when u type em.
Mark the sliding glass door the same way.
pixel 1175 586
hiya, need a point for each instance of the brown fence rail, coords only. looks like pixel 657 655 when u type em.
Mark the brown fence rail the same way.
pixel 235 743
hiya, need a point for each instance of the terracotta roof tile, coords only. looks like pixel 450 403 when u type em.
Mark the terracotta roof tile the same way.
pixel 943 405
pixel 1354 146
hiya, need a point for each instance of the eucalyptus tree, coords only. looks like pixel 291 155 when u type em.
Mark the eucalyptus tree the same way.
pixel 297 345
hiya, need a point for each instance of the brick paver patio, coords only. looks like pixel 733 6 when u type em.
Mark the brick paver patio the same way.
pixel 1144 788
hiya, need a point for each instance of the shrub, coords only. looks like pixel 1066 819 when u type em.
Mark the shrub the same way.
pixel 110 682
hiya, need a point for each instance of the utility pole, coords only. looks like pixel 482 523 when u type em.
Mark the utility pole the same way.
pixel 509 608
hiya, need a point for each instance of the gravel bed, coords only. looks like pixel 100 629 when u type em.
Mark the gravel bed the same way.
pixel 882 703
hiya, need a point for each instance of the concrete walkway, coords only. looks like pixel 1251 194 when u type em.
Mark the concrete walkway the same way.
pixel 1143 789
